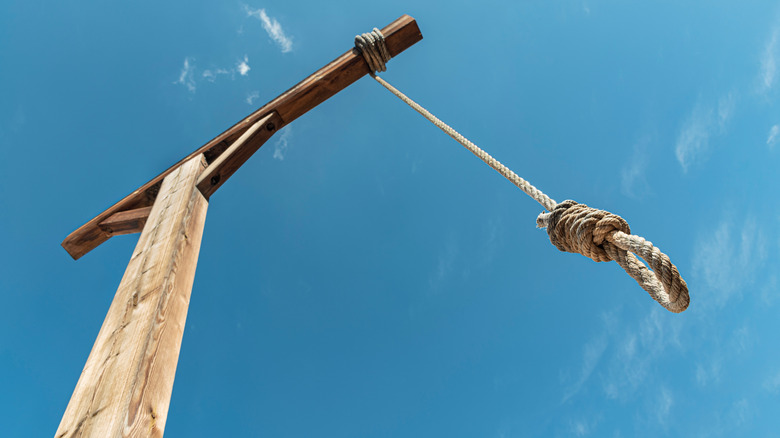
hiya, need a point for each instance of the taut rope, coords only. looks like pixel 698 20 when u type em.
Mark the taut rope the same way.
pixel 572 227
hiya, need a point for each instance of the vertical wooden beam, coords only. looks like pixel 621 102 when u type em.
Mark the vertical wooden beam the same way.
pixel 125 387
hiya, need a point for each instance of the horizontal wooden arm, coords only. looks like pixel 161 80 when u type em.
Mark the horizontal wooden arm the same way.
pixel 326 82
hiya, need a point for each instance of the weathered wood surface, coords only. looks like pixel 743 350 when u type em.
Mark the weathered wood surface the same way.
pixel 237 154
pixel 125 387
pixel 323 84
pixel 126 222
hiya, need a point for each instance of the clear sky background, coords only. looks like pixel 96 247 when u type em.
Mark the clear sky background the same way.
pixel 365 276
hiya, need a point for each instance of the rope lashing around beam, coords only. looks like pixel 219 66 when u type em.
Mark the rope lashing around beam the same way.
pixel 372 46
pixel 572 227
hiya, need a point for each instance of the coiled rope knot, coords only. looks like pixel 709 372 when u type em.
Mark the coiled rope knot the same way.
pixel 374 49
pixel 603 236
pixel 575 227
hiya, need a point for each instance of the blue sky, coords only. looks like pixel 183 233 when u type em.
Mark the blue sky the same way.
pixel 365 276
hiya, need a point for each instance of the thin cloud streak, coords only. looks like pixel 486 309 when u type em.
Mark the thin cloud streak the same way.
pixel 772 138
pixel 585 427
pixel 189 79
pixel 632 175
pixel 726 106
pixel 664 407
pixel 445 264
pixel 727 260
pixel 250 98
pixel 281 145
pixel 772 384
pixel 693 138
pixel 709 372
pixel 211 75
pixel 272 27
pixel 591 355
pixel 639 350
pixel 187 76
pixel 701 125
pixel 769 63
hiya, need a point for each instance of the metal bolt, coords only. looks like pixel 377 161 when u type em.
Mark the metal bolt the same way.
pixel 270 127
pixel 215 180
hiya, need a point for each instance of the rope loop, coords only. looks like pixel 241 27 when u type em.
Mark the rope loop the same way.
pixel 374 49
pixel 603 236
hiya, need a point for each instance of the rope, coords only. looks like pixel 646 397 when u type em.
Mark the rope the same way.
pixel 372 46
pixel 572 227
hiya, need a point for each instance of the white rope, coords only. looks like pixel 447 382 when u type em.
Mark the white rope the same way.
pixel 572 227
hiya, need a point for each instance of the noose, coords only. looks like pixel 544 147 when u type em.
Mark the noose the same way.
pixel 572 227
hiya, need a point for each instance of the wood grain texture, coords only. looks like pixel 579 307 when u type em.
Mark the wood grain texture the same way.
pixel 326 82
pixel 126 222
pixel 125 387
pixel 237 154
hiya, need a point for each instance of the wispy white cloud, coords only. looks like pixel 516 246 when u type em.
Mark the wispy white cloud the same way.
pixel 694 137
pixel 243 66
pixel 727 259
pixel 190 78
pixel 769 290
pixel 585 426
pixel 637 352
pixel 715 361
pixel 702 123
pixel 591 355
pixel 494 229
pixel 768 71
pixel 741 341
pixel 709 372
pixel 740 412
pixel 272 27
pixel 250 98
pixel 585 9
pixel 445 264
pixel 726 105
pixel 772 384
pixel 772 138
pixel 663 406
pixel 281 145
pixel 632 175
pixel 187 75
pixel 212 75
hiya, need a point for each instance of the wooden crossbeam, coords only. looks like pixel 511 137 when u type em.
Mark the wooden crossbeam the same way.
pixel 323 84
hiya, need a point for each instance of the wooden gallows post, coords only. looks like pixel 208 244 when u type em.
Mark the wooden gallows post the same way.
pixel 125 387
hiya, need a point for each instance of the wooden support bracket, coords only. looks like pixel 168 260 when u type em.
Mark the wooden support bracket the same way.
pixel 237 154
pixel 326 82
pixel 126 222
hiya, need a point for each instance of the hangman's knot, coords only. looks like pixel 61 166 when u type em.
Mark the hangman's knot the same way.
pixel 575 227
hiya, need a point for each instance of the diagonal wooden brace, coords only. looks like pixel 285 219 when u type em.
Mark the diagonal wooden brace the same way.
pixel 237 154
pixel 323 84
